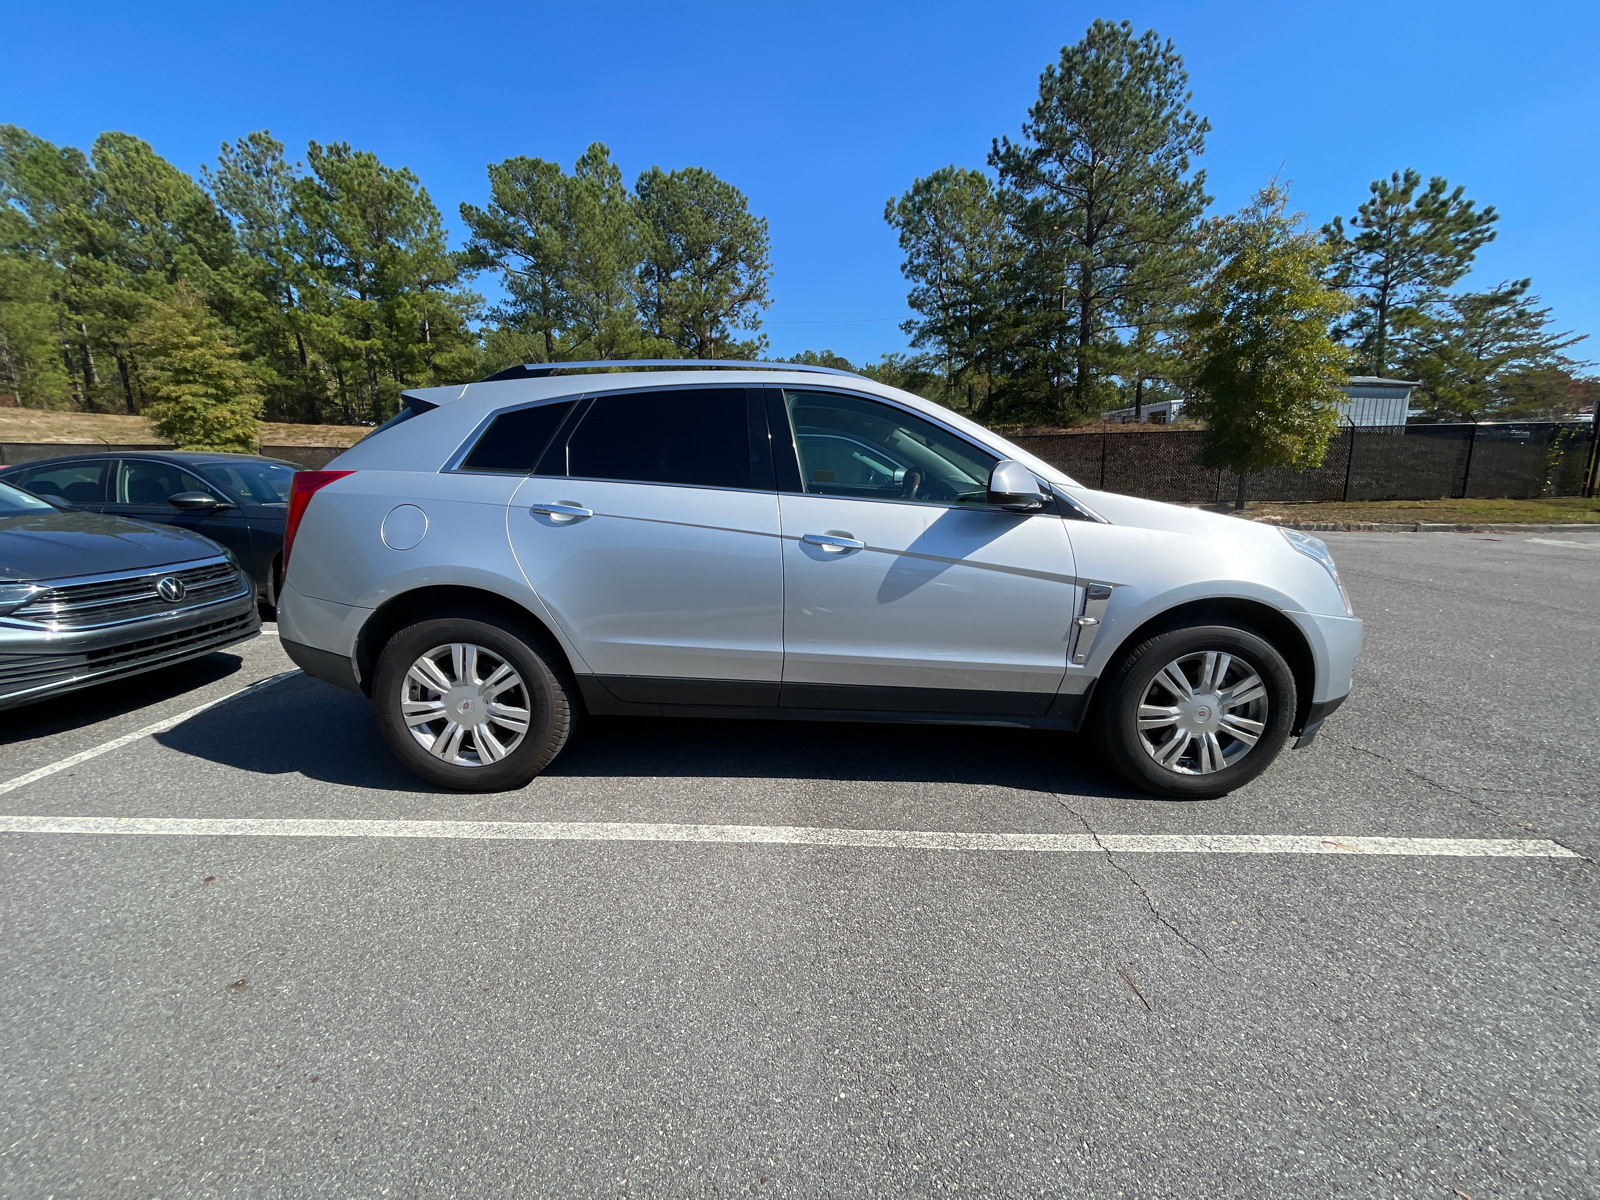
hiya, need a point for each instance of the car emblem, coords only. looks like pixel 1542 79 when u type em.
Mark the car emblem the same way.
pixel 171 589
pixel 1202 713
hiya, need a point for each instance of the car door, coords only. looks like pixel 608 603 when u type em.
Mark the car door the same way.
pixel 903 588
pixel 141 489
pixel 651 533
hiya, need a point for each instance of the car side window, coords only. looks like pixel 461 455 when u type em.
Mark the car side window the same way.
pixel 77 483
pixel 516 440
pixel 851 446
pixel 696 437
pixel 141 481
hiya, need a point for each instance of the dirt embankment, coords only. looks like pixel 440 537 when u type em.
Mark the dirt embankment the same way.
pixel 71 428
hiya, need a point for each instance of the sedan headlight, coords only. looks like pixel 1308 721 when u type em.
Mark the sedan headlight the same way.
pixel 1318 549
pixel 14 595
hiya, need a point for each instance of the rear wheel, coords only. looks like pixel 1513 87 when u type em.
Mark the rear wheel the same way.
pixel 471 704
pixel 1196 712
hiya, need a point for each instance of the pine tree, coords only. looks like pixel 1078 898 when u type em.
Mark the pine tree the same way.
pixel 199 392
pixel 1482 354
pixel 1101 189
pixel 705 264
pixel 1405 248
pixel 959 257
pixel 1266 367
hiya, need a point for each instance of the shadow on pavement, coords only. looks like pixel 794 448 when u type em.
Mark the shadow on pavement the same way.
pixel 108 700
pixel 305 727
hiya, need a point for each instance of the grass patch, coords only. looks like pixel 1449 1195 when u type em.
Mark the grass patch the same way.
pixel 1552 510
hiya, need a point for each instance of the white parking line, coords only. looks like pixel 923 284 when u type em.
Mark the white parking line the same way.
pixel 1583 545
pixel 794 835
pixel 129 738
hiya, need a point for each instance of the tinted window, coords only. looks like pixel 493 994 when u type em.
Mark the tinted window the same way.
pixel 79 483
pixel 514 440
pixel 849 446
pixel 253 482
pixel 698 437
pixel 143 482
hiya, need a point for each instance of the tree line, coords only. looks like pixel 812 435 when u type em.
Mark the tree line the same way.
pixel 316 291
pixel 1080 273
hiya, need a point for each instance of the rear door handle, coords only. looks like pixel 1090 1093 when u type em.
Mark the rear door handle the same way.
pixel 565 508
pixel 830 541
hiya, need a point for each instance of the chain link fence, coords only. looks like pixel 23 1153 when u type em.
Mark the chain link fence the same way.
pixel 1520 461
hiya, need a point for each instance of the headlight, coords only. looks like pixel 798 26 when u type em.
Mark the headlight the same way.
pixel 14 595
pixel 1318 549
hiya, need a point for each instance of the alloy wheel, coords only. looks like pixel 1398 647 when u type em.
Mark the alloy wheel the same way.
pixel 465 704
pixel 1203 712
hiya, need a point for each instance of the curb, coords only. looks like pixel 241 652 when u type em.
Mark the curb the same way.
pixel 1422 527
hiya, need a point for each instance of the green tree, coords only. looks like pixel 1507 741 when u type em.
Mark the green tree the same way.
pixel 199 392
pixel 1483 354
pixel 705 264
pixel 378 286
pixel 568 249
pixel 1100 188
pixel 959 256
pixel 1266 367
pixel 1404 248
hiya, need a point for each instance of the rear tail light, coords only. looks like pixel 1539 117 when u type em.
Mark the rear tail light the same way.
pixel 301 488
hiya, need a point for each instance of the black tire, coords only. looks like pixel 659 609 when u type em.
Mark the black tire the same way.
pixel 1118 700
pixel 550 704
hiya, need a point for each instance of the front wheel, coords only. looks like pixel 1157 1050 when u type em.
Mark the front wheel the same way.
pixel 1196 712
pixel 471 705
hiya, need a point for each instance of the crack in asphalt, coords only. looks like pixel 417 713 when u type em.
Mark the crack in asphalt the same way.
pixel 1461 793
pixel 1137 886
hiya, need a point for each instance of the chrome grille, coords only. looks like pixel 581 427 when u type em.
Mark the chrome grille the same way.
pixel 131 596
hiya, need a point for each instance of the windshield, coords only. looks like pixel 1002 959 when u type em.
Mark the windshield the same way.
pixel 255 482
pixel 14 502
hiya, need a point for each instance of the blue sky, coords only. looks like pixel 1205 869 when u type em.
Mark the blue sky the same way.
pixel 820 112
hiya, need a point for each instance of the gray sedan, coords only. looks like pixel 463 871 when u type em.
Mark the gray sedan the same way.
pixel 86 598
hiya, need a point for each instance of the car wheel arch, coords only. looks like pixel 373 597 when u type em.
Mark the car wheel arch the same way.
pixel 1265 620
pixel 435 601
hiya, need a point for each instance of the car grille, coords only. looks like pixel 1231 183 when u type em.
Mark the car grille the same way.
pixel 111 599
pixel 35 672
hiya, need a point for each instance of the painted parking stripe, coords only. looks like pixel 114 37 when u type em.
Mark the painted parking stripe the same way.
pixel 792 835
pixel 128 739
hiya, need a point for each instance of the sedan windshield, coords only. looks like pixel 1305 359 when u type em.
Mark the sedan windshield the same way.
pixel 253 482
pixel 14 502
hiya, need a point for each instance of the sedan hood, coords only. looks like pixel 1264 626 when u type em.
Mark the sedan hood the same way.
pixel 56 545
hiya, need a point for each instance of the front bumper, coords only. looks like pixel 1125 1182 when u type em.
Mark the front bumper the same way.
pixel 36 664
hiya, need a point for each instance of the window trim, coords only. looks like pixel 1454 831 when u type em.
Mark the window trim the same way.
pixel 758 427
pixel 102 463
pixel 777 410
pixel 116 473
pixel 453 464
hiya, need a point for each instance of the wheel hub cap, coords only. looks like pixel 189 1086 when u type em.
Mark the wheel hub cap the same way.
pixel 465 704
pixel 1203 712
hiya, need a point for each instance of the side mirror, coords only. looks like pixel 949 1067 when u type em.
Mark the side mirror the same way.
pixel 195 501
pixel 1013 486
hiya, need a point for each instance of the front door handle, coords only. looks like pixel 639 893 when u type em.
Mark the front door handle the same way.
pixel 566 508
pixel 833 542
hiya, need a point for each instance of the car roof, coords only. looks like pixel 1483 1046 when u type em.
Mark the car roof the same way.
pixel 181 457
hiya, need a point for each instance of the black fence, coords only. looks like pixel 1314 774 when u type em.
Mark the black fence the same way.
pixel 1406 462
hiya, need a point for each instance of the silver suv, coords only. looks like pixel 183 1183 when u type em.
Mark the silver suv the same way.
pixel 757 540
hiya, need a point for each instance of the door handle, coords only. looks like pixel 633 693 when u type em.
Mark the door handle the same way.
pixel 832 542
pixel 565 508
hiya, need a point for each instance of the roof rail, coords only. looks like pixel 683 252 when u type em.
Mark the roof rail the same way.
pixel 543 370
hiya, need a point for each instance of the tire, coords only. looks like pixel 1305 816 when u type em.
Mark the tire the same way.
pixel 1141 712
pixel 474 744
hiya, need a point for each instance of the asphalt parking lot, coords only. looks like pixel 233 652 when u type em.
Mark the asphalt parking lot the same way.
pixel 271 1011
